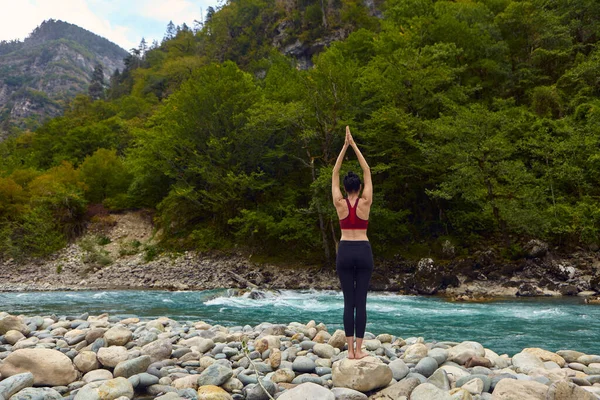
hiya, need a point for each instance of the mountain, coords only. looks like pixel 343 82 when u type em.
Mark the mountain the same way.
pixel 39 75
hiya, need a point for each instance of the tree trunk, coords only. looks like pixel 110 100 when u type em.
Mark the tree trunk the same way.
pixel 321 218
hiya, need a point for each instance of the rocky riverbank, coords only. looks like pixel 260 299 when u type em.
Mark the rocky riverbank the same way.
pixel 105 358
pixel 118 254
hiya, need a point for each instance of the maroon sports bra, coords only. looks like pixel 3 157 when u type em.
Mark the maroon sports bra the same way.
pixel 353 221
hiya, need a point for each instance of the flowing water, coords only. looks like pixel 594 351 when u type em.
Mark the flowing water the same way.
pixel 505 326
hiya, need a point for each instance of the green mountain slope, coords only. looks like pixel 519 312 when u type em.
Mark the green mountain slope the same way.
pixel 41 74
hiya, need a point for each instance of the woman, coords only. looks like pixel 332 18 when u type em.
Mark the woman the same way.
pixel 354 262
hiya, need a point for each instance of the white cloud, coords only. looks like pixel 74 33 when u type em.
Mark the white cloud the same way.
pixel 178 11
pixel 20 17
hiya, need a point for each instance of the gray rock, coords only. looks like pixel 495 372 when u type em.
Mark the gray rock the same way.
pixel 440 379
pixel 418 376
pixel 256 392
pixel 348 394
pixel 399 369
pixel 216 374
pixel 398 390
pixel 132 367
pixel 440 355
pixel 303 364
pixel 188 394
pixel 304 378
pixel 147 379
pixel 43 393
pixel 15 383
pixel 487 382
pixel 426 366
pixel 323 371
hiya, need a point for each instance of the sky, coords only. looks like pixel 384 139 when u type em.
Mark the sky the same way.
pixel 123 22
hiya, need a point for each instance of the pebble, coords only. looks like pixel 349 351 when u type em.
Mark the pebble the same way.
pixel 173 360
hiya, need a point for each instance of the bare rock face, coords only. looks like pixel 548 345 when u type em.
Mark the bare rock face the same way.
pixel 49 367
pixel 362 375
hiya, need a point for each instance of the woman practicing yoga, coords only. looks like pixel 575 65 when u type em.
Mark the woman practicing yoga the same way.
pixel 354 262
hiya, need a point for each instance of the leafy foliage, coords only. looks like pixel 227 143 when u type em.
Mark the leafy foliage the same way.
pixel 479 118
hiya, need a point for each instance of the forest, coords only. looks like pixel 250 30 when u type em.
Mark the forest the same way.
pixel 480 120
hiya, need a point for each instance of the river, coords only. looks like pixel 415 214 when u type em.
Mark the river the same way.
pixel 505 326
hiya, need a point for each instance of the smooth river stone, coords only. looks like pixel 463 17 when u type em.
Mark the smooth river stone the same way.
pixel 545 355
pixel 588 359
pixel 415 352
pixel 464 351
pixel 118 336
pixel 308 391
pixel 427 391
pixel 111 356
pixel 348 394
pixel 510 389
pixel 426 366
pixel 399 369
pixel 15 383
pixel 49 367
pixel 303 364
pixel 43 393
pixel 568 391
pixel 216 374
pixel 398 390
pixel 440 379
pixel 439 355
pixel 111 389
pixel 570 355
pixel 525 362
pixel 132 367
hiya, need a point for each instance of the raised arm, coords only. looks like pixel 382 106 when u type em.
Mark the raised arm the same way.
pixel 367 193
pixel 336 193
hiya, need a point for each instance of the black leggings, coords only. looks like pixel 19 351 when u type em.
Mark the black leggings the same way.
pixel 354 267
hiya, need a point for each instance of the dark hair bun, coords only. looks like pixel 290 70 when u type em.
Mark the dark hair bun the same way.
pixel 352 182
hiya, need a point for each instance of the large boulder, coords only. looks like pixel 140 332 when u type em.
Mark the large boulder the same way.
pixel 363 375
pixel 511 389
pixel 49 367
pixel 106 390
pixel 307 391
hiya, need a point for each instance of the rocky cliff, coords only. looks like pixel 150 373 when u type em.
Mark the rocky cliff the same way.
pixel 40 74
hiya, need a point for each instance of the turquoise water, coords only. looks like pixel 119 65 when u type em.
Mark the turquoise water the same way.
pixel 505 326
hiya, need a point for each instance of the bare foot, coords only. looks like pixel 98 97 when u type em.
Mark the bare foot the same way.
pixel 350 356
pixel 360 354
